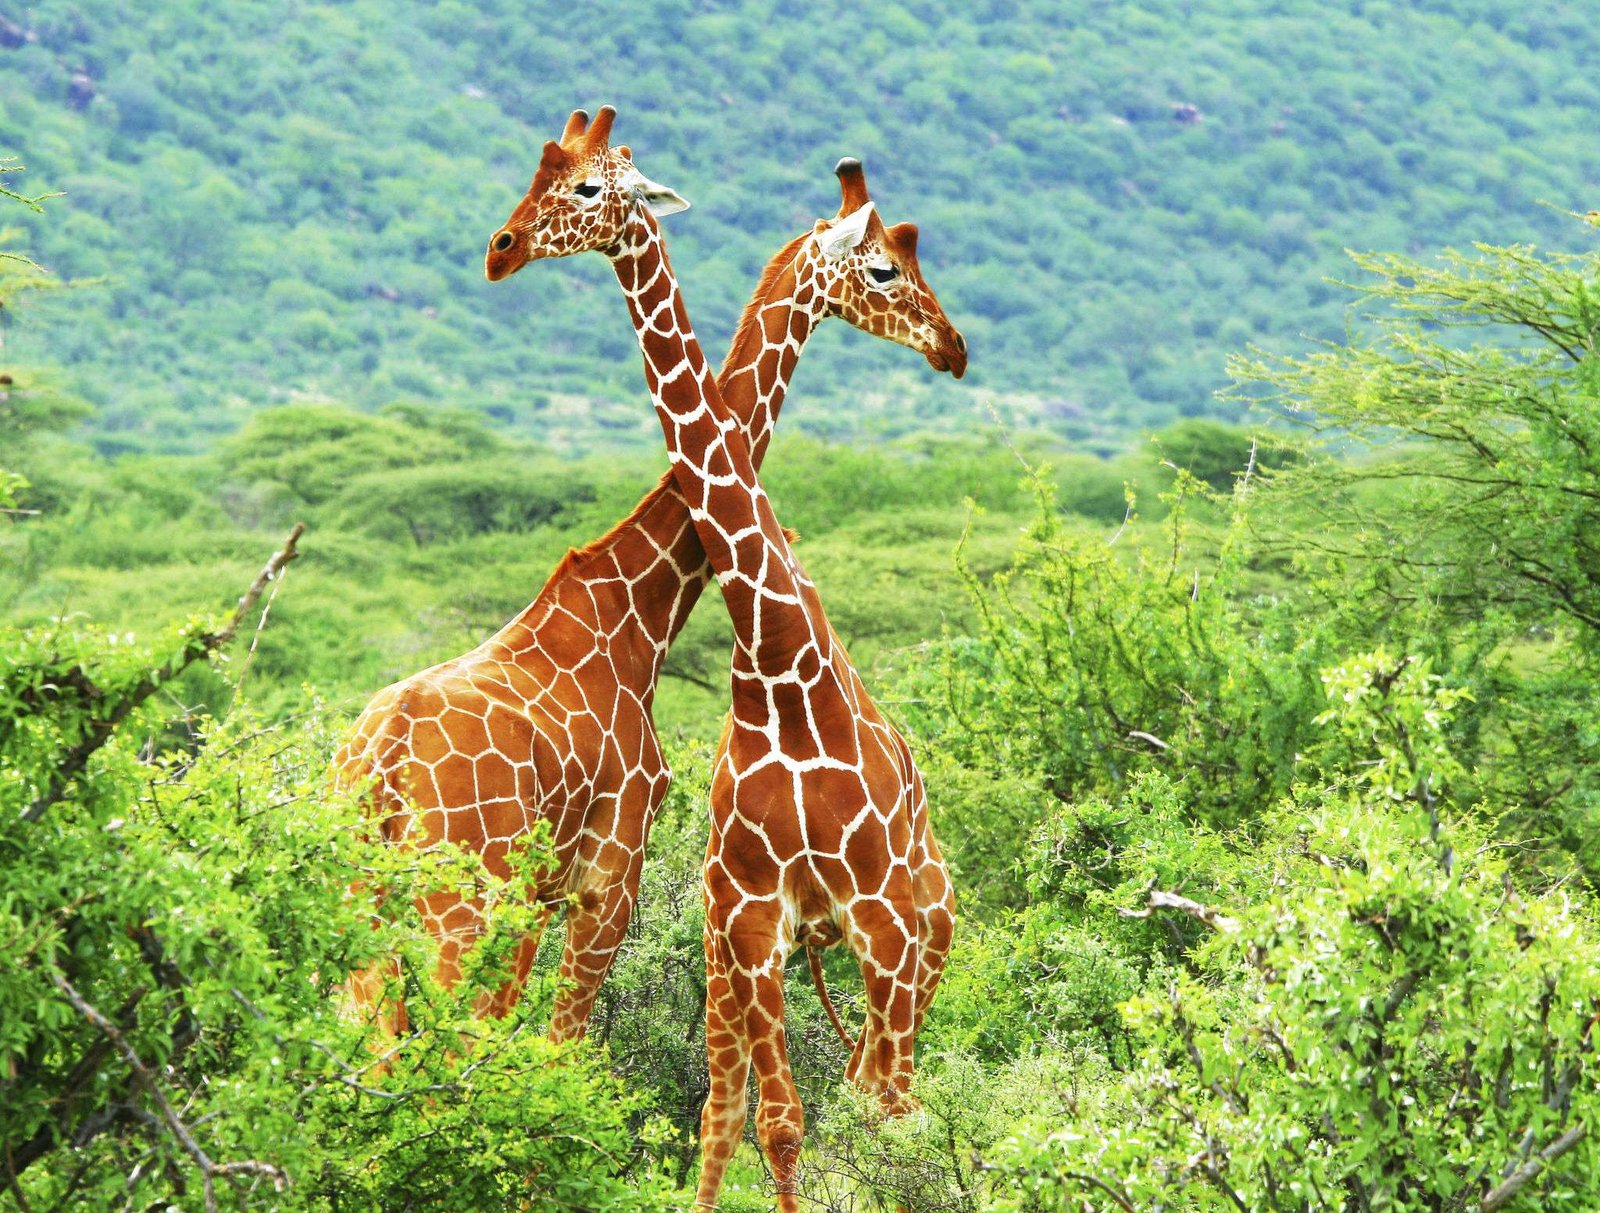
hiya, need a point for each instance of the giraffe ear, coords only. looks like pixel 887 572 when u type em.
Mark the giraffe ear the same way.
pixel 657 198
pixel 843 237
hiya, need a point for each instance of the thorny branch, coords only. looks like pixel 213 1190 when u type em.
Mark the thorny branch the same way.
pixel 101 730
pixel 146 1080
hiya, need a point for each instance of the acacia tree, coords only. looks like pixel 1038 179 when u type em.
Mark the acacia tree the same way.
pixel 1479 390
pixel 1472 520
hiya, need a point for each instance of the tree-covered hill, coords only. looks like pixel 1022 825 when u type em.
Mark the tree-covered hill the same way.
pixel 289 200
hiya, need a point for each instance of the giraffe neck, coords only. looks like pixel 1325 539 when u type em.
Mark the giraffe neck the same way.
pixel 766 347
pixel 640 581
pixel 769 602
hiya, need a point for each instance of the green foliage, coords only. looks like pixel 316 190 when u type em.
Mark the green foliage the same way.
pixel 297 209
pixel 1386 1023
pixel 1220 455
pixel 1474 518
pixel 27 403
pixel 1272 812
pixel 1496 439
pixel 1132 650
pixel 178 921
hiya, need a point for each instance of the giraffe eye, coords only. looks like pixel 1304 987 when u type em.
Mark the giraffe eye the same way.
pixel 883 275
pixel 588 189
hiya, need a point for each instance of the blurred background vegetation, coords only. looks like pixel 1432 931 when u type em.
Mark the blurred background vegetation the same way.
pixel 289 201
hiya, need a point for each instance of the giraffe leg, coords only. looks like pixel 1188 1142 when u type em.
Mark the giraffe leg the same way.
pixel 607 885
pixel 936 904
pixel 745 950
pixel 503 1001
pixel 884 937
pixel 728 1059
pixel 936 924
pixel 852 1069
pixel 755 950
pixel 780 1120
pixel 456 924
pixel 375 992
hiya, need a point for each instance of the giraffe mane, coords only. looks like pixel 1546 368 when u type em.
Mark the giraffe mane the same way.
pixel 780 262
pixel 577 556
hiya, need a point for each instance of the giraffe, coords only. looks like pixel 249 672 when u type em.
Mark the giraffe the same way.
pixel 550 718
pixel 819 820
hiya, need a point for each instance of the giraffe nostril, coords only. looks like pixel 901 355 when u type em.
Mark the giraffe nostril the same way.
pixel 961 343
pixel 502 242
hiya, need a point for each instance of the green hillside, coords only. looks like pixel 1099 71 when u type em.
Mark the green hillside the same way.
pixel 288 201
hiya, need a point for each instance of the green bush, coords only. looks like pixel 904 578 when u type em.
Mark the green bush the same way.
pixel 1379 1018
pixel 176 903
pixel 1100 655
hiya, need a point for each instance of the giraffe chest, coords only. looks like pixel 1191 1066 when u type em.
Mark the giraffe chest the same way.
pixel 816 792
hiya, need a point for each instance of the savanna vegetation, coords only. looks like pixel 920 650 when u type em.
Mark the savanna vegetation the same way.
pixel 290 200
pixel 1264 755
pixel 1265 764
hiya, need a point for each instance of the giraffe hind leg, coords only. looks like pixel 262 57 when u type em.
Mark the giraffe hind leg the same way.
pixel 503 1001
pixel 375 993
pixel 727 1100
pixel 883 936
pixel 936 923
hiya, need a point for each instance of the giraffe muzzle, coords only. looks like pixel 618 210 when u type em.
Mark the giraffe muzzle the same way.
pixel 950 356
pixel 506 255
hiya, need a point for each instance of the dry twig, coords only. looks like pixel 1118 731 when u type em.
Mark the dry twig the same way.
pixel 146 1080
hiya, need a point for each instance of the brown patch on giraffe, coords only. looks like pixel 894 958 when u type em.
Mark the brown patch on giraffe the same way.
pixel 456 777
pixel 468 731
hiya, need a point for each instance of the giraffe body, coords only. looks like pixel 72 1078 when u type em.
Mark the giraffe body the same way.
pixel 550 719
pixel 819 822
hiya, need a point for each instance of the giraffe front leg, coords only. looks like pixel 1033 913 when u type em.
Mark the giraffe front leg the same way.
pixel 605 889
pixel 374 993
pixel 780 1119
pixel 456 924
pixel 752 944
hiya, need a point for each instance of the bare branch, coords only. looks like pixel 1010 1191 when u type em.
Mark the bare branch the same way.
pixel 1498 1196
pixel 100 730
pixel 1158 899
pixel 1141 735
pixel 268 573
pixel 146 1080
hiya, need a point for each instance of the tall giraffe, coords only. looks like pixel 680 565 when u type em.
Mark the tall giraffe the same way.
pixel 551 717
pixel 819 822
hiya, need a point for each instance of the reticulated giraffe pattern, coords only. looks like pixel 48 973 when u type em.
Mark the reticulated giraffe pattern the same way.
pixel 819 822
pixel 550 719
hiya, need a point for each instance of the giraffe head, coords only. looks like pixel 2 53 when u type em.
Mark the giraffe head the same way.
pixel 868 274
pixel 580 199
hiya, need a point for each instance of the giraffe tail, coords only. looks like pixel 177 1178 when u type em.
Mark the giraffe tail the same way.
pixel 814 957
